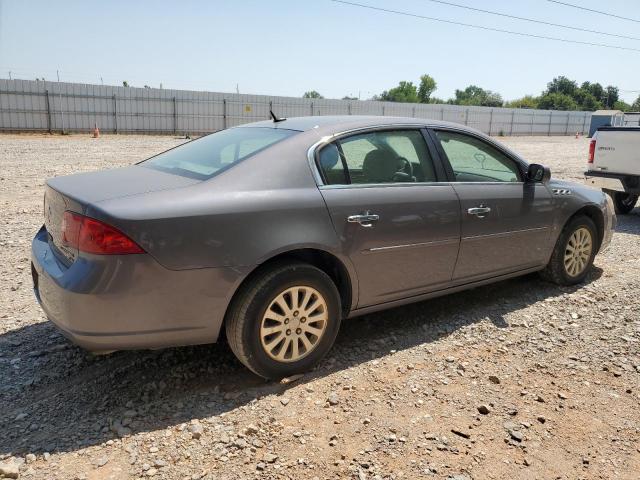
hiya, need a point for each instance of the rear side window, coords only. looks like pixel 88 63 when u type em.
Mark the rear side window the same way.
pixel 473 160
pixel 205 157
pixel 377 157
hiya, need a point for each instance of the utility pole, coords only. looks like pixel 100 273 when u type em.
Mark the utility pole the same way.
pixel 9 74
pixel 101 81
pixel 237 88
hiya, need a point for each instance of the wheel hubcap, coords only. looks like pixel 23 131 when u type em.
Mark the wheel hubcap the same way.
pixel 293 324
pixel 578 252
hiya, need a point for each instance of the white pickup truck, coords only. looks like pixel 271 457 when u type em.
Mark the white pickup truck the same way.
pixel 614 165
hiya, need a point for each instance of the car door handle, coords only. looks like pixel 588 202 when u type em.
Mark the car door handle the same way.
pixel 480 211
pixel 364 219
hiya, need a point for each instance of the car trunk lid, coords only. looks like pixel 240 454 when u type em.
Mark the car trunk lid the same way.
pixel 75 192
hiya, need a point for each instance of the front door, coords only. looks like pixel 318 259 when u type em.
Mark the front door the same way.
pixel 399 226
pixel 506 222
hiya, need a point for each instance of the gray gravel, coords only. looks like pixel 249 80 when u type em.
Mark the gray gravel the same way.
pixel 520 379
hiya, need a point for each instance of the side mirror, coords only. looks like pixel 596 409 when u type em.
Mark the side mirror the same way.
pixel 537 173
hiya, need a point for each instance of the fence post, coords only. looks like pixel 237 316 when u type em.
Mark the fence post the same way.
pixel 442 113
pixel 413 112
pixel 175 115
pixel 584 123
pixel 566 128
pixel 224 113
pixel 349 107
pixel 490 121
pixel 46 92
pixel 533 114
pixel 115 114
pixel 383 110
pixel 270 106
pixel 466 117
pixel 312 109
pixel 513 115
pixel 550 117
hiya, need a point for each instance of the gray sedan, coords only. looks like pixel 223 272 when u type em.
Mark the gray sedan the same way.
pixel 274 232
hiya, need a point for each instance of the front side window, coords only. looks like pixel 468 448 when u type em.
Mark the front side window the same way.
pixel 206 156
pixel 473 160
pixel 397 156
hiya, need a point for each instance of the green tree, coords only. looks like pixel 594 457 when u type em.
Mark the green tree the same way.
pixel 557 101
pixel 611 96
pixel 636 105
pixel 347 97
pixel 586 100
pixel 473 95
pixel 528 101
pixel 405 92
pixel 312 94
pixel 563 85
pixel 125 83
pixel 427 86
pixel 594 89
pixel 622 106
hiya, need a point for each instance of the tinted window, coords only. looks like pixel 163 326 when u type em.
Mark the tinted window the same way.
pixel 331 165
pixel 473 160
pixel 205 157
pixel 378 157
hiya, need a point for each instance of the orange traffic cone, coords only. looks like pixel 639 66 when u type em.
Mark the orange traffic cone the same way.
pixel 96 131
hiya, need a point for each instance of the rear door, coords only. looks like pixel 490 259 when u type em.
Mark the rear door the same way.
pixel 506 222
pixel 399 226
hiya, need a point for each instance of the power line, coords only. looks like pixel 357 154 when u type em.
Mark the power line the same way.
pixel 593 11
pixel 480 27
pixel 525 19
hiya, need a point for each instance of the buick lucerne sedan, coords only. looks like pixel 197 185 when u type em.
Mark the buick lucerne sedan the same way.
pixel 273 232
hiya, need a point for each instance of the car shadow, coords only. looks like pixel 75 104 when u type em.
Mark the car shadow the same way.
pixel 629 223
pixel 57 397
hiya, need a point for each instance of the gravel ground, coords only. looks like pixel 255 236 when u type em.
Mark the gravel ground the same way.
pixel 520 379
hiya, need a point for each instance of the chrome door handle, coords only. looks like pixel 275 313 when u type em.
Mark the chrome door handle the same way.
pixel 364 219
pixel 480 211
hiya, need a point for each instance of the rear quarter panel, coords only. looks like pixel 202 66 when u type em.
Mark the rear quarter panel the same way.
pixel 263 206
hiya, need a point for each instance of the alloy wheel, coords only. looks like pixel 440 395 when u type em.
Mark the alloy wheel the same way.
pixel 578 252
pixel 293 323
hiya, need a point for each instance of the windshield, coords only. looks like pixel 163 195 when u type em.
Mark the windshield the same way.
pixel 205 157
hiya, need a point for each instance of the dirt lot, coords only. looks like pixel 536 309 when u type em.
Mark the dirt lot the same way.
pixel 556 371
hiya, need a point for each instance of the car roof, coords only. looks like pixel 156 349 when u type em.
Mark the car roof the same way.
pixel 325 126
pixel 333 124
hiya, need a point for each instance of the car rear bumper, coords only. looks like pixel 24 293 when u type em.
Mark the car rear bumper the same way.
pixel 613 181
pixel 113 302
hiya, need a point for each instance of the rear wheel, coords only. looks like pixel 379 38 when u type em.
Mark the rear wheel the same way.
pixel 574 252
pixel 284 320
pixel 623 202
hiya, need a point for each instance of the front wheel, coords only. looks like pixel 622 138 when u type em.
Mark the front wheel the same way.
pixel 573 254
pixel 623 202
pixel 284 320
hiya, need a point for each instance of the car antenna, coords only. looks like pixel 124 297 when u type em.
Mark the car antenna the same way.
pixel 276 119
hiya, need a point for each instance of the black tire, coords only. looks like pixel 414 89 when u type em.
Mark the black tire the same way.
pixel 245 316
pixel 623 202
pixel 556 271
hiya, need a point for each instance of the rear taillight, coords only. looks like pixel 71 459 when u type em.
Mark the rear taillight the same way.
pixel 592 150
pixel 92 236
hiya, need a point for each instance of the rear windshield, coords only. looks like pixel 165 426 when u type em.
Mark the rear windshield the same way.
pixel 205 157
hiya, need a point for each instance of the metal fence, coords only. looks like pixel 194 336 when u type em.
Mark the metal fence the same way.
pixel 27 105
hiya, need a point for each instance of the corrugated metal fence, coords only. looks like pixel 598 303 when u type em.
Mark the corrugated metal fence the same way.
pixel 27 105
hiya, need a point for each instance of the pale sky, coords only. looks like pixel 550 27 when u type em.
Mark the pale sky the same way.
pixel 285 47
